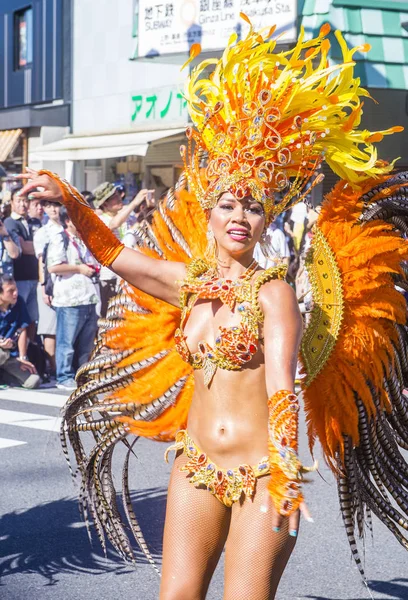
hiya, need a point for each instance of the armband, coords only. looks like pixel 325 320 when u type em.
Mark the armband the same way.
pixel 285 467
pixel 100 240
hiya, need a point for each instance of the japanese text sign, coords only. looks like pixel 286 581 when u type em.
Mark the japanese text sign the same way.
pixel 171 27
pixel 161 105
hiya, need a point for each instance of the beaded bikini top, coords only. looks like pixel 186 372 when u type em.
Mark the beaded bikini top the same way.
pixel 234 346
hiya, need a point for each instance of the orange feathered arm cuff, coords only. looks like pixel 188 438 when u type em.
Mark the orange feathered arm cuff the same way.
pixel 285 467
pixel 100 240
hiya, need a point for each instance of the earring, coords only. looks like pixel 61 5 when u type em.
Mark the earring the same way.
pixel 211 251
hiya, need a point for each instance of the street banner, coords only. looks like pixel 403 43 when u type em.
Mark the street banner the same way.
pixel 172 27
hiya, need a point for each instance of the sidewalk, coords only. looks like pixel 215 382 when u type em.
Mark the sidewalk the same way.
pixel 46 388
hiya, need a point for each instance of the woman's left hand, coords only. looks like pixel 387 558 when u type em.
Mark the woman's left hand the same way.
pixel 294 518
pixel 40 187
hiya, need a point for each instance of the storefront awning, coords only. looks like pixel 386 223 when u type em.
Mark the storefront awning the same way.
pixel 100 146
pixel 8 141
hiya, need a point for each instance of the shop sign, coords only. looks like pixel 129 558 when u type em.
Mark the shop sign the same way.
pixel 170 27
pixel 159 106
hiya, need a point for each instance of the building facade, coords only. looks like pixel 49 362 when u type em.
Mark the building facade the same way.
pixel 35 67
pixel 93 88
pixel 128 116
pixel 383 70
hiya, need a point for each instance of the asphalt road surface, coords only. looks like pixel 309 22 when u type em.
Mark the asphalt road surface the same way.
pixel 44 549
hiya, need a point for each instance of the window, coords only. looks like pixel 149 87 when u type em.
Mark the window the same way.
pixel 23 38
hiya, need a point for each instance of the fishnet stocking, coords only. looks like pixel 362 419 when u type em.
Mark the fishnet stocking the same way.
pixel 256 556
pixel 195 531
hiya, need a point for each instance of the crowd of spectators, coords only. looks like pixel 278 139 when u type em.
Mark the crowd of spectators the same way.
pixel 52 290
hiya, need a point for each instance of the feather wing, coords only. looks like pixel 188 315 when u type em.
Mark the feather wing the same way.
pixel 135 382
pixel 354 350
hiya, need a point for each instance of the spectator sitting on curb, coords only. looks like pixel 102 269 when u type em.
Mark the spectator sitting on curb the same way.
pixel 75 296
pixel 115 215
pixel 26 265
pixel 15 368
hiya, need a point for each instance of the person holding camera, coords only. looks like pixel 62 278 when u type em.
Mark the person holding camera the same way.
pixel 75 296
pixel 115 214
pixel 15 367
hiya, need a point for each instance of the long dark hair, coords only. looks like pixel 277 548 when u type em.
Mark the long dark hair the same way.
pixel 64 216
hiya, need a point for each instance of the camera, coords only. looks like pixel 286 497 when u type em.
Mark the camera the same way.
pixel 96 275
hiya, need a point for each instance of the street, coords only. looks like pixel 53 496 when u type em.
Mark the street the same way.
pixel 45 553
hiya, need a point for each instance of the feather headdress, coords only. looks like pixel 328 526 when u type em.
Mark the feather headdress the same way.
pixel 267 119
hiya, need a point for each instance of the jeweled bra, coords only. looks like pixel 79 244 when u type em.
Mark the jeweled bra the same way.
pixel 234 346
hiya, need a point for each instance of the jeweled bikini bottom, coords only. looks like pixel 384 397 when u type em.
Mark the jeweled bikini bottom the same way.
pixel 227 485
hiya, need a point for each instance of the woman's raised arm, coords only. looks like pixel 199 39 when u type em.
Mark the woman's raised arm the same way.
pixel 159 278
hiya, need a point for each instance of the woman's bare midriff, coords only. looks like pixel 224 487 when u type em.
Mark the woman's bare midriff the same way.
pixel 229 420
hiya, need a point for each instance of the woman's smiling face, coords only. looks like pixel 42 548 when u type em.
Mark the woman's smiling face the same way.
pixel 237 224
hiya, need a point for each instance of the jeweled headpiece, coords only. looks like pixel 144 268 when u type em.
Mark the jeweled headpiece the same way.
pixel 265 121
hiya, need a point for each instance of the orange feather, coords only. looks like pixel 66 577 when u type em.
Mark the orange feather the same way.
pixel 367 257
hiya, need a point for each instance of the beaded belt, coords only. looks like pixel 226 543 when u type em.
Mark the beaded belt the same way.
pixel 227 485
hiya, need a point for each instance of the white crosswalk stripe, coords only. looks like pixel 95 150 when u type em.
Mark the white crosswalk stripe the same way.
pixel 31 420
pixel 28 420
pixel 33 397
pixel 9 443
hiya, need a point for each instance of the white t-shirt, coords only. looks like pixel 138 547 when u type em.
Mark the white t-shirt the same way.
pixel 43 236
pixel 71 289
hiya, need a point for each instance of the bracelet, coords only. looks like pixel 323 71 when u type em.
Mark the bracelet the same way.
pixel 284 464
pixel 285 467
pixel 25 357
pixel 6 238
